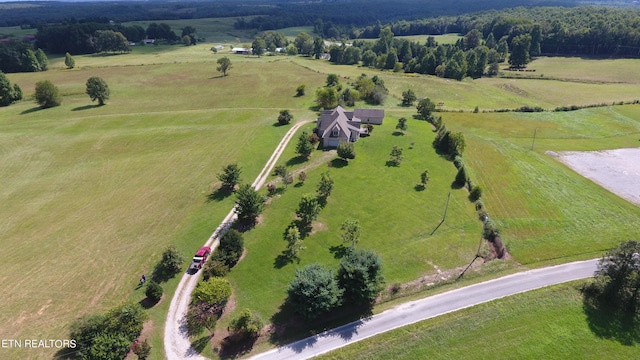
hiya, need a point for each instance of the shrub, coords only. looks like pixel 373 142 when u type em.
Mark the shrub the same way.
pixel 461 176
pixel 314 291
pixel 47 95
pixel 153 291
pixel 279 170
pixel 230 248
pixel 214 291
pixel 246 325
pixel 458 161
pixel 490 230
pixel 300 90
pixel 475 193
pixel 346 150
pixel 215 268
pixel 285 117
pixel 314 139
pixel 141 349
pixel 302 176
pixel 271 189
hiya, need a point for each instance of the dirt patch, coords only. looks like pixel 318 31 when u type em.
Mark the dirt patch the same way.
pixel 615 170
pixel 514 89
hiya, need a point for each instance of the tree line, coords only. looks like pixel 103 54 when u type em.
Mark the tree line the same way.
pixel 90 37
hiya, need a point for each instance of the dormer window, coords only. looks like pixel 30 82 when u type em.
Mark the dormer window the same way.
pixel 335 132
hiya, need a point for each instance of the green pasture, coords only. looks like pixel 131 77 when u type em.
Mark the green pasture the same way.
pixel 92 195
pixel 545 210
pixel 549 323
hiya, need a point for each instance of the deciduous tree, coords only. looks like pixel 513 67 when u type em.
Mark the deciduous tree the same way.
pixel 402 124
pixel 97 89
pixel 425 108
pixel 224 65
pixel 304 147
pixel 408 97
pixel 325 186
pixel 8 94
pixel 308 209
pixel 47 95
pixel 69 62
pixel 285 117
pixel 351 232
pixel 346 150
pixel 395 157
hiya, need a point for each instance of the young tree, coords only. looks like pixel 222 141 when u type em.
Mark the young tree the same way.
pixel 230 248
pixel 172 260
pixel 300 90
pixel 246 325
pixel 287 178
pixel 8 94
pixel 43 61
pixel 360 276
pixel 230 176
pixel 616 284
pixel 346 150
pixel 325 186
pixel 153 291
pixel 408 97
pixel 314 291
pixel 302 176
pixel 332 80
pixel 425 108
pixel 141 349
pixel 308 209
pixel 249 204
pixel 224 65
pixel 294 242
pixel 285 117
pixel 304 147
pixel 69 62
pixel 424 178
pixel 402 124
pixel 396 155
pixel 97 89
pixel 350 232
pixel 47 95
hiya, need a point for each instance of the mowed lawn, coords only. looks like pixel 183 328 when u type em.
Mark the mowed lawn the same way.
pixel 91 195
pixel 545 210
pixel 544 324
pixel 397 219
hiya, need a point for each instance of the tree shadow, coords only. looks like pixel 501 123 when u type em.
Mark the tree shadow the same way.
pixel 298 184
pixel 397 133
pixel 419 187
pixel 608 323
pixel 233 348
pixel 217 77
pixel 456 185
pixel 160 274
pixel 147 303
pixel 219 195
pixel 33 109
pixel 338 251
pixel 200 344
pixel 391 163
pixel 278 124
pixel 282 260
pixel 86 107
pixel 339 163
pixel 296 160
pixel 66 353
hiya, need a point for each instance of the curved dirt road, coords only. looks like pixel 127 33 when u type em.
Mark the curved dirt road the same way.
pixel 412 312
pixel 176 342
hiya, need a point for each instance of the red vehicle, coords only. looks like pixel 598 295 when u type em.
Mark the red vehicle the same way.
pixel 199 258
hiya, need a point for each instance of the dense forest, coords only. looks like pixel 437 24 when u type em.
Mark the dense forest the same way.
pixel 274 14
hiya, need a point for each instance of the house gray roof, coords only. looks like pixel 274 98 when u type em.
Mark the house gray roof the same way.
pixel 338 117
pixel 368 113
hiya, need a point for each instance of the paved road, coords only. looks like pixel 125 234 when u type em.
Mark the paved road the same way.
pixel 426 308
pixel 176 342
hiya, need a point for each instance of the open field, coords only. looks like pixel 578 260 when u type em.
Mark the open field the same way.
pixel 549 323
pixel 91 195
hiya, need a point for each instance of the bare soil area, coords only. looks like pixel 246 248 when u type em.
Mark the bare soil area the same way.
pixel 616 170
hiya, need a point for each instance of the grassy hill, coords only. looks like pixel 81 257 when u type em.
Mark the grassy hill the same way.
pixel 92 195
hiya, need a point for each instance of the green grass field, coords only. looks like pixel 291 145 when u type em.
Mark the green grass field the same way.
pixel 543 324
pixel 92 195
